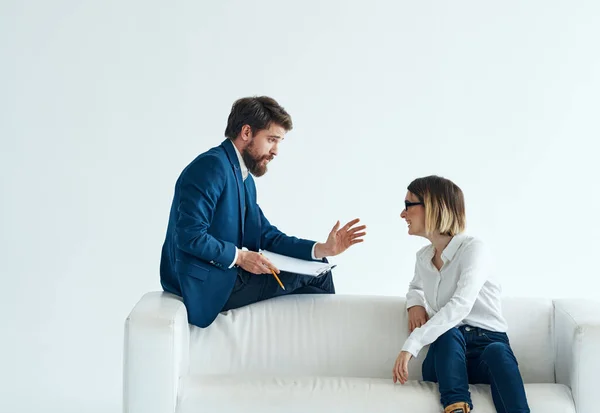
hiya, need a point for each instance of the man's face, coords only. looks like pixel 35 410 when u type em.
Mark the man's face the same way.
pixel 262 148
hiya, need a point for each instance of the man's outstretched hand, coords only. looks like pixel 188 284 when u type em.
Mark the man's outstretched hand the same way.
pixel 340 239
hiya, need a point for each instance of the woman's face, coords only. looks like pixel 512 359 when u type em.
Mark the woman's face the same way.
pixel 414 215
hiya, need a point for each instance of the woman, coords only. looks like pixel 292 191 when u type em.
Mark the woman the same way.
pixel 454 305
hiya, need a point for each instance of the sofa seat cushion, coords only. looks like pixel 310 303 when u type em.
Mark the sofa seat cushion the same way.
pixel 227 393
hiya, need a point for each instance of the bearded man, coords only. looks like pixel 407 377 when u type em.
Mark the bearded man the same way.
pixel 216 229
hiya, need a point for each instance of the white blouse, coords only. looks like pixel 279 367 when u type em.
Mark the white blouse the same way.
pixel 462 292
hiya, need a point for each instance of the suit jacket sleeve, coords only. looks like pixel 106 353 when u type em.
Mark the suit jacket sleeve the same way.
pixel 200 187
pixel 272 239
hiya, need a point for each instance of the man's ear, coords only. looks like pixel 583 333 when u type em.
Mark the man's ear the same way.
pixel 246 133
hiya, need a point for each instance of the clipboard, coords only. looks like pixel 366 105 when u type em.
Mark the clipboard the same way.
pixel 297 266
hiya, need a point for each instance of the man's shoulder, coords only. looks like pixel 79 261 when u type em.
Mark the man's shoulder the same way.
pixel 213 160
pixel 213 157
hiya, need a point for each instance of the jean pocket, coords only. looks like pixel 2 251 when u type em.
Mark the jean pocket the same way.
pixel 495 337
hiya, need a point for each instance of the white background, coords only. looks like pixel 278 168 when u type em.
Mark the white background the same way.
pixel 103 103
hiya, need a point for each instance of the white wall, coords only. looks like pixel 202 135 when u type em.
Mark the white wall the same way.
pixel 103 104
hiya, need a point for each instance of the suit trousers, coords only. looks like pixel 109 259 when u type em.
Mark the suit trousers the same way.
pixel 251 288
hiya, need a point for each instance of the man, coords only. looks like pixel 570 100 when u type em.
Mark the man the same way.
pixel 214 215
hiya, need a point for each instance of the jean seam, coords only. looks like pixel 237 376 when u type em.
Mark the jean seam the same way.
pixel 463 344
pixel 493 379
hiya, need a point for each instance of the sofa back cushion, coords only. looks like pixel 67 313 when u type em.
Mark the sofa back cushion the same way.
pixel 346 335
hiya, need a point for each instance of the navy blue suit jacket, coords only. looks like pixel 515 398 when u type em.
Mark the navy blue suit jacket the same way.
pixel 210 216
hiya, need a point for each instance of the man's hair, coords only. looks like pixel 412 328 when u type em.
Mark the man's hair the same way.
pixel 259 112
pixel 444 204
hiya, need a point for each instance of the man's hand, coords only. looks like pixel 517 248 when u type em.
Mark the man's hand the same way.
pixel 340 239
pixel 417 316
pixel 255 263
pixel 400 371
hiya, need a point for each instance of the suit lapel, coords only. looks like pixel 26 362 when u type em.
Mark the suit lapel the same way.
pixel 252 227
pixel 235 164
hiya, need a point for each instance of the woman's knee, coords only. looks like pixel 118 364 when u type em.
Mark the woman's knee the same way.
pixel 495 352
pixel 452 337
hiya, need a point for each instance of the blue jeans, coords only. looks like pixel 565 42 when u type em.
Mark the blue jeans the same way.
pixel 473 355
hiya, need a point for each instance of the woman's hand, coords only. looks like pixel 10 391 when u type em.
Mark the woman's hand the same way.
pixel 417 316
pixel 400 371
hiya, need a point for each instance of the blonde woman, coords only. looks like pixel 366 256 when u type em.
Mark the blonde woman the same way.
pixel 453 305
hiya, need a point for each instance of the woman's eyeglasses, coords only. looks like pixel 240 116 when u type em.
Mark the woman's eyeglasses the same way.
pixel 408 204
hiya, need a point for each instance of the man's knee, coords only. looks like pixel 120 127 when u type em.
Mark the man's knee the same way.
pixel 327 283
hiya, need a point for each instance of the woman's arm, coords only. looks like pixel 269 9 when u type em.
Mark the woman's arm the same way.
pixel 415 294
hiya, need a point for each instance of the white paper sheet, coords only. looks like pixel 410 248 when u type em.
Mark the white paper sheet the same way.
pixel 296 266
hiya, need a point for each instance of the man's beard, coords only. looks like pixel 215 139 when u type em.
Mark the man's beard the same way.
pixel 256 165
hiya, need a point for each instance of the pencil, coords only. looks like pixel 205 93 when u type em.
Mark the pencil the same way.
pixel 277 278
pixel 275 275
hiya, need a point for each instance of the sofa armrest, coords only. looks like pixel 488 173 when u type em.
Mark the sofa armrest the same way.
pixel 156 353
pixel 577 330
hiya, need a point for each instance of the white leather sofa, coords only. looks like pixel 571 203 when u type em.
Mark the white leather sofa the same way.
pixel 334 353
